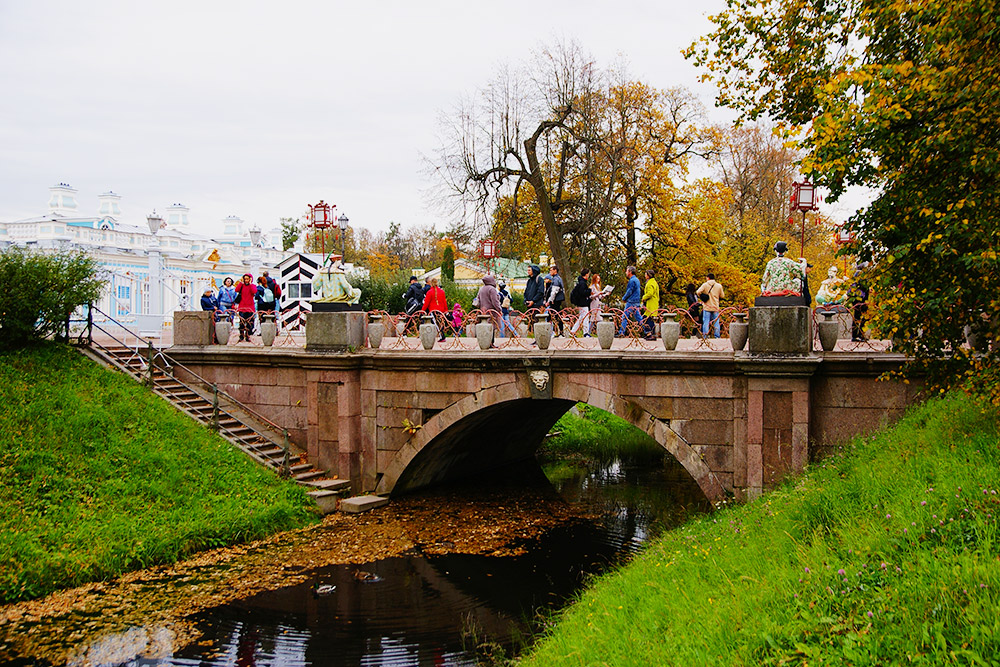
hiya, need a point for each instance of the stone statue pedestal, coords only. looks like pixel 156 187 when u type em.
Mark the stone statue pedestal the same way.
pixel 780 330
pixel 778 301
pixel 341 331
pixel 193 327
pixel 334 306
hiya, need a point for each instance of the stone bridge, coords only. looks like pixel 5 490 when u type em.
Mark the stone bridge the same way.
pixel 397 421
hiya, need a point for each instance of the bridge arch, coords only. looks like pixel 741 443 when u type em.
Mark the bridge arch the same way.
pixel 440 450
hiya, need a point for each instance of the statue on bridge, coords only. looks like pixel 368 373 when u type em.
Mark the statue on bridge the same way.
pixel 331 285
pixel 783 276
pixel 833 290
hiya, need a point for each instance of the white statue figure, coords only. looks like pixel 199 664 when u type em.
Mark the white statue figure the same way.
pixel 331 285
pixel 833 290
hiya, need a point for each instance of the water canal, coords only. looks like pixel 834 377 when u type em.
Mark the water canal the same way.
pixel 470 574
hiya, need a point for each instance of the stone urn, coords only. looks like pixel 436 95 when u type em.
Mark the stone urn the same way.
pixel 606 331
pixel 829 329
pixel 376 331
pixel 522 329
pixel 268 328
pixel 543 331
pixel 470 330
pixel 484 332
pixel 670 331
pixel 223 328
pixel 738 331
pixel 428 332
pixel 401 327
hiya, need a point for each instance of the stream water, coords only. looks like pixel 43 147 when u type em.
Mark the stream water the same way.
pixel 456 576
pixel 454 609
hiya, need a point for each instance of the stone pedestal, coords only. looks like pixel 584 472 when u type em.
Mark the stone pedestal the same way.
pixel 193 327
pixel 780 330
pixel 335 331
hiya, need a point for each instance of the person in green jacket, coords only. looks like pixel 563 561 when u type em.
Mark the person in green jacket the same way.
pixel 651 299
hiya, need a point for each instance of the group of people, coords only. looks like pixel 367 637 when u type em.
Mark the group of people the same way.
pixel 243 299
pixel 492 298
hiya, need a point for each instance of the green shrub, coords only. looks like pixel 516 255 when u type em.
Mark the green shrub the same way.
pixel 41 290
pixel 385 294
pixel 448 263
pixel 382 293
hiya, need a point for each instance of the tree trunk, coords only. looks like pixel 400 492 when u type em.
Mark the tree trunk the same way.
pixel 552 230
pixel 631 213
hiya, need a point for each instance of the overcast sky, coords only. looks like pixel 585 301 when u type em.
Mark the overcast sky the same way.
pixel 257 109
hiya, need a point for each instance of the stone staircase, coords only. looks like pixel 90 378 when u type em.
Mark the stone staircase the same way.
pixel 259 440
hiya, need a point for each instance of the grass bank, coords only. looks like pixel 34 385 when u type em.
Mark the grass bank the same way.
pixel 589 432
pixel 99 477
pixel 887 554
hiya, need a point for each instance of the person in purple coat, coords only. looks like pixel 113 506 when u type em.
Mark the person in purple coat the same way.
pixel 489 302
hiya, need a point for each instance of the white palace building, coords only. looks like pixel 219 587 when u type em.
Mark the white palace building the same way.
pixel 154 264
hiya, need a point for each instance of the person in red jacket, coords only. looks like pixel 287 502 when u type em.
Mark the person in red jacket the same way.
pixel 246 305
pixel 435 302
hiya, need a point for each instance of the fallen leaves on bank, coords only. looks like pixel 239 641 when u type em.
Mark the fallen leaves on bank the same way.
pixel 156 602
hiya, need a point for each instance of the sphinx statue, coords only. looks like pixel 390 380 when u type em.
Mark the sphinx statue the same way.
pixel 833 290
pixel 331 285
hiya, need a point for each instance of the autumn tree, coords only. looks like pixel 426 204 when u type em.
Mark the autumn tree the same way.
pixel 527 129
pixel 566 152
pixel 902 96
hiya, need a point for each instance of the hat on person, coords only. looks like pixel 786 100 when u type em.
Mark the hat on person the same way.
pixel 780 247
pixel 412 278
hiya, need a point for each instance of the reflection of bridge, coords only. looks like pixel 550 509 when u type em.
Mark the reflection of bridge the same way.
pixel 398 420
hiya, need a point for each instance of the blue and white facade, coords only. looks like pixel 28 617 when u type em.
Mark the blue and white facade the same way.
pixel 174 266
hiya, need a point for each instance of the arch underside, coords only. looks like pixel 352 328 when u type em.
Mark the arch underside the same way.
pixel 493 429
pixel 490 438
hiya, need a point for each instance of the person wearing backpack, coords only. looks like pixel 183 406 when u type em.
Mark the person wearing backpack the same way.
pixel 265 296
pixel 580 297
pixel 413 299
pixel 275 288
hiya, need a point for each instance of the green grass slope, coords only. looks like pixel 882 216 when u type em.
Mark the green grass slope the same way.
pixel 887 554
pixel 98 477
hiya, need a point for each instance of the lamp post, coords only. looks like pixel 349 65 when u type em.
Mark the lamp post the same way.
pixel 342 221
pixel 321 217
pixel 488 249
pixel 255 251
pixel 803 199
pixel 155 266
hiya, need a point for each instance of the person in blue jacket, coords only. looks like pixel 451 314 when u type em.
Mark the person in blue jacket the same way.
pixel 227 297
pixel 632 299
pixel 208 300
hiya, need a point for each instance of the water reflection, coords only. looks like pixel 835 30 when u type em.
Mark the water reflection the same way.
pixel 421 609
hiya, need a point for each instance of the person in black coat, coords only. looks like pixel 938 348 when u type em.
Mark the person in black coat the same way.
pixel 534 291
pixel 414 297
pixel 806 294
pixel 694 305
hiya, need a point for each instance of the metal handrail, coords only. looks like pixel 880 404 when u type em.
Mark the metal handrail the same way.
pixel 168 364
